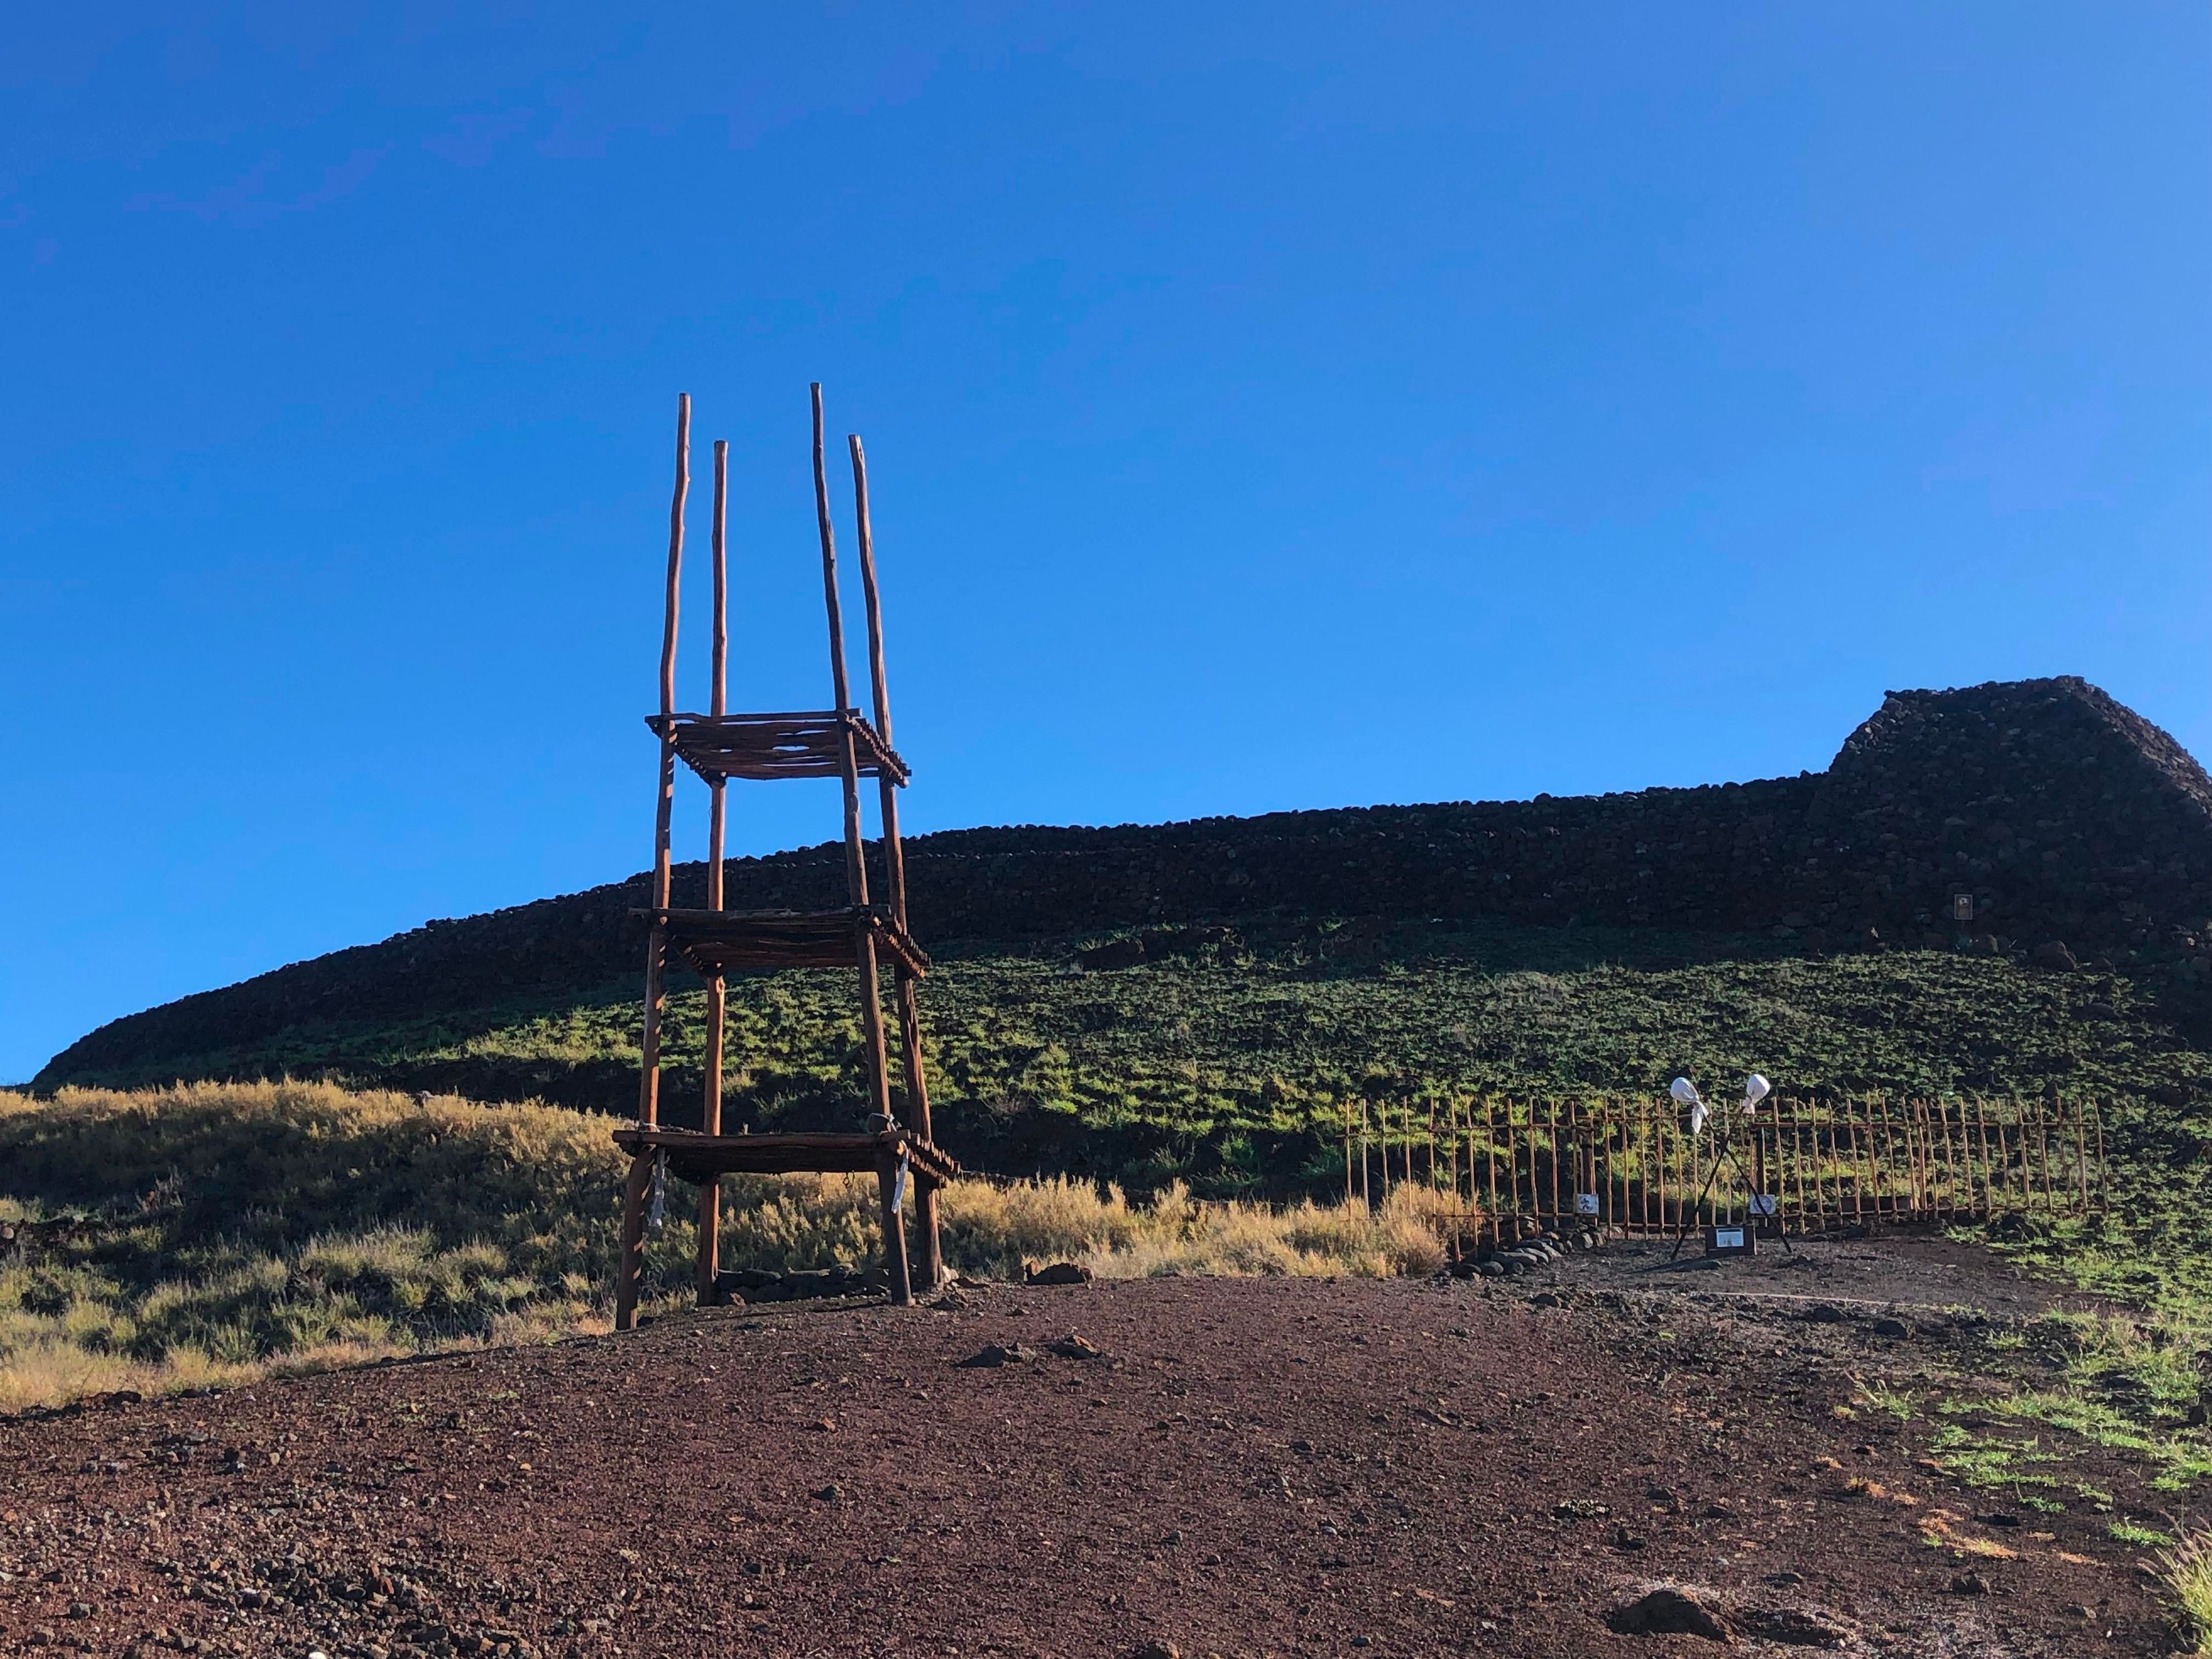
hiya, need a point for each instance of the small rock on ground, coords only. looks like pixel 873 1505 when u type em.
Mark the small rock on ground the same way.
pixel 1059 1272
pixel 1668 1612
pixel 992 1354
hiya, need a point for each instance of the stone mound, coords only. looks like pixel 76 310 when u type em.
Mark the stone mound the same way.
pixel 2001 818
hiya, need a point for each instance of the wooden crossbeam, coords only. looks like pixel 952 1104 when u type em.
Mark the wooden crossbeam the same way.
pixel 765 748
pixel 694 1156
pixel 723 941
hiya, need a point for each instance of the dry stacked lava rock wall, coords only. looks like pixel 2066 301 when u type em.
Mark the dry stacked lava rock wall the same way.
pixel 2054 813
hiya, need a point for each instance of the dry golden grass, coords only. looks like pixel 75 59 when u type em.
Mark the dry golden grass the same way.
pixel 205 1234
pixel 995 1228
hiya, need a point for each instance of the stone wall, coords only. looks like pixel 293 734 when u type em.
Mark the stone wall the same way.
pixel 2043 808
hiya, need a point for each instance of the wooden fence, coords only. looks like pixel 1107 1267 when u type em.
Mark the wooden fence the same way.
pixel 1634 1165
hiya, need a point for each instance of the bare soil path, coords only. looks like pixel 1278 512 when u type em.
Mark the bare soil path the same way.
pixel 1898 1270
pixel 1255 1467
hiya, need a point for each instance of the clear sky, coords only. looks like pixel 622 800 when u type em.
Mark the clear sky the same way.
pixel 1268 406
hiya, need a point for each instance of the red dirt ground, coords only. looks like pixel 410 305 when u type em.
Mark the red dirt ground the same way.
pixel 1256 1467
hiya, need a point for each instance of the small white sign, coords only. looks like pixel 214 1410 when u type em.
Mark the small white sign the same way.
pixel 1585 1203
pixel 1728 1238
pixel 1763 1204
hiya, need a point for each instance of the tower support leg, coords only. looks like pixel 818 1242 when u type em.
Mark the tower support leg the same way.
pixel 925 1215
pixel 710 1239
pixel 895 1261
pixel 631 1259
pixel 933 1253
pixel 917 1110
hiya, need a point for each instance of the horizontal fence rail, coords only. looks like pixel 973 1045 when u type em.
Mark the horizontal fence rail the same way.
pixel 1805 1167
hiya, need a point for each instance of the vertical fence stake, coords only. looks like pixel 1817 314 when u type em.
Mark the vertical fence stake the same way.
pixel 1989 1171
pixel 1451 1143
pixel 1513 1166
pixel 1552 1141
pixel 1916 1162
pixel 1346 1106
pixel 1950 1162
pixel 1798 1164
pixel 1881 1154
pixel 2042 1154
pixel 1851 1162
pixel 1366 1186
pixel 1616 1159
pixel 1490 1166
pixel 1639 1198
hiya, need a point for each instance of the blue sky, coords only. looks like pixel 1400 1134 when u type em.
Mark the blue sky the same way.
pixel 1267 407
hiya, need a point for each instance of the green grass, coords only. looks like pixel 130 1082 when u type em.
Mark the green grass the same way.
pixel 1231 1070
pixel 2137 1378
pixel 2186 1570
pixel 1881 1397
pixel 1988 1462
pixel 2126 1532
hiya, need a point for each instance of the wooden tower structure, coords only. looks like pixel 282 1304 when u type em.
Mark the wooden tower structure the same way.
pixel 839 742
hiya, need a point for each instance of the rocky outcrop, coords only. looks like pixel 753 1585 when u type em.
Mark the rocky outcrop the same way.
pixel 2001 816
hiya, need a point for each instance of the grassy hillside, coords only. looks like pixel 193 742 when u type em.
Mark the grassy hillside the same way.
pixel 209 1234
pixel 1228 1064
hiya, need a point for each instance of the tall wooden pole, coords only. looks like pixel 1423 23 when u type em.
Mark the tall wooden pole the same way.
pixel 710 1187
pixel 910 1001
pixel 856 870
pixel 649 1098
pixel 628 1262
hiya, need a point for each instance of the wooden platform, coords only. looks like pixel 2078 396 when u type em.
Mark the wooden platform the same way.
pixel 809 743
pixel 695 1156
pixel 720 942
